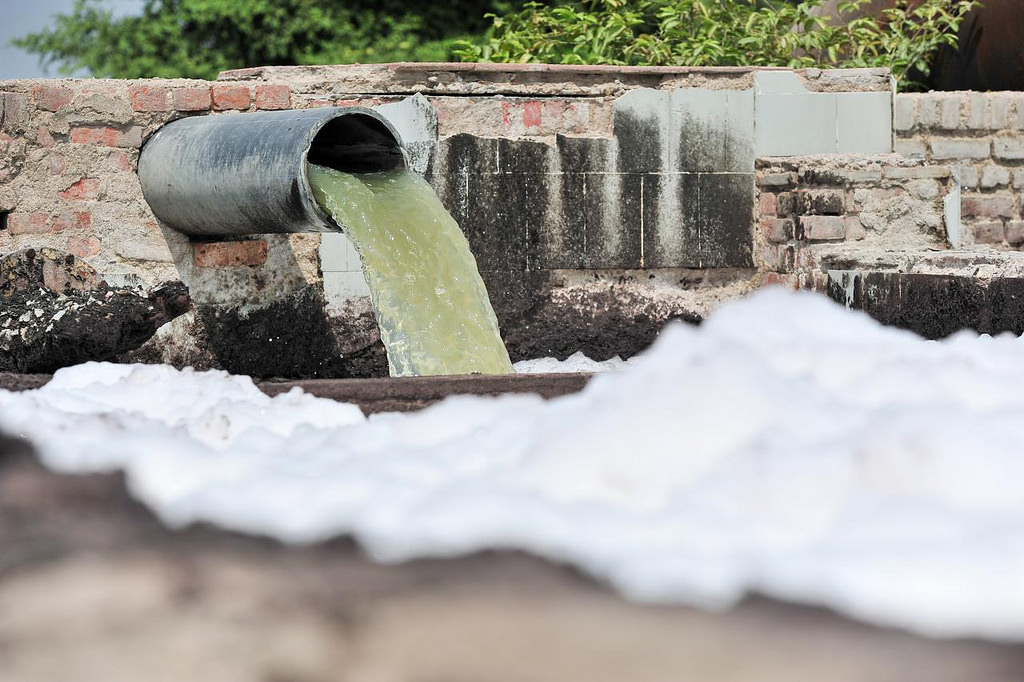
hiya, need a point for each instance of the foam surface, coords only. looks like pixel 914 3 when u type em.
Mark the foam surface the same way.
pixel 786 446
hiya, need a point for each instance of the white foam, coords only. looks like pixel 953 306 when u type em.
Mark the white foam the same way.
pixel 786 446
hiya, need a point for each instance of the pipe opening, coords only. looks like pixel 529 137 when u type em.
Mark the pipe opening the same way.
pixel 356 143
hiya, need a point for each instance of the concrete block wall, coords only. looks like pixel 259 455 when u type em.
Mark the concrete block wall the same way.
pixel 602 195
pixel 981 136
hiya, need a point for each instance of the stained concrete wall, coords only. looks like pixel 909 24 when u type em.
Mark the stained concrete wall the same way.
pixel 599 201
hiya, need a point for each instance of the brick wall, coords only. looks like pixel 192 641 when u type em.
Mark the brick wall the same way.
pixel 981 137
pixel 817 214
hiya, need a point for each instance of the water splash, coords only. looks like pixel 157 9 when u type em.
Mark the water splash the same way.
pixel 431 304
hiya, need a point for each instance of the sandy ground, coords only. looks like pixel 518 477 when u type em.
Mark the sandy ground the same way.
pixel 93 589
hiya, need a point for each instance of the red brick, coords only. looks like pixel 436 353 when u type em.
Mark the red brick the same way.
pixel 273 97
pixel 192 99
pixel 347 103
pixel 231 97
pixel 122 161
pixel 86 188
pixel 44 137
pixel 230 254
pixel 999 206
pixel 57 163
pixel 822 227
pixel 52 98
pixel 148 97
pixel 318 103
pixel 531 114
pixel 767 204
pixel 28 223
pixel 84 246
pixel 988 232
pixel 107 136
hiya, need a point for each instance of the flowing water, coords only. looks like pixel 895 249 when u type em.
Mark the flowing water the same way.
pixel 431 304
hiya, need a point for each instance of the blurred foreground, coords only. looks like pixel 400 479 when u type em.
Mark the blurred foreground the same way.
pixel 94 589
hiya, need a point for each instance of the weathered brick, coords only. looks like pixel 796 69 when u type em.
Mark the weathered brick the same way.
pixel 1015 232
pixel 122 161
pixel 273 97
pixel 107 137
pixel 44 138
pixel 1018 178
pixel 778 258
pixel 977 116
pixel 988 232
pixel 230 254
pixel 903 113
pixel 960 149
pixel 149 97
pixel 14 111
pixel 927 110
pixel 531 114
pixel 84 246
pixel 997 206
pixel 51 98
pixel 915 149
pixel 854 227
pixel 923 188
pixel 776 279
pixel 28 223
pixel 86 188
pixel 1017 116
pixel 914 172
pixel 231 97
pixel 999 111
pixel 820 202
pixel 767 203
pixel 192 99
pixel 71 221
pixel 777 230
pixel 864 175
pixel 994 176
pixel 822 227
pixel 776 180
pixel 1008 148
pixel 57 163
pixel 967 175
pixel 950 106
pixel 785 204
pixel 318 102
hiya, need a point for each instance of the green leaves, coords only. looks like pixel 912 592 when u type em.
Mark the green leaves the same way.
pixel 720 33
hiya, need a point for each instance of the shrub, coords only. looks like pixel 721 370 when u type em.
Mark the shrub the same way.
pixel 722 33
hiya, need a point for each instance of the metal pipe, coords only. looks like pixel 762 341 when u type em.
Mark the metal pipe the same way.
pixel 235 174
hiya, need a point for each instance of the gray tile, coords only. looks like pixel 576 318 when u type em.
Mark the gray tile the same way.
pixel 778 83
pixel 612 214
pixel 671 222
pixel 642 127
pixel 796 125
pixel 864 122
pixel 725 219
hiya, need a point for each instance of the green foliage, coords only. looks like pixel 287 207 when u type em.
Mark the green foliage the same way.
pixel 198 38
pixel 720 33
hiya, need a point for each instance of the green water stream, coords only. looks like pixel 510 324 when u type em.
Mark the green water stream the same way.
pixel 431 304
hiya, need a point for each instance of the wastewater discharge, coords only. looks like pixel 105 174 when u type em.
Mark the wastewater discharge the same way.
pixel 431 304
